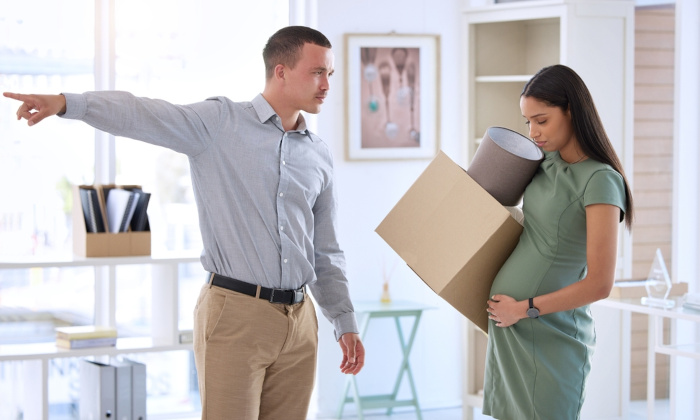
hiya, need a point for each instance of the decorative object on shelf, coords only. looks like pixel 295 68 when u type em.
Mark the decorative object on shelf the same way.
pixel 386 296
pixel 636 289
pixel 504 164
pixel 691 301
pixel 405 124
pixel 658 284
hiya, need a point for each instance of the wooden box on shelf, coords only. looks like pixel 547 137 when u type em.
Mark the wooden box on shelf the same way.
pixel 105 244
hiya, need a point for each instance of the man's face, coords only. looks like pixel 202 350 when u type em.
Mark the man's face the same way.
pixel 307 84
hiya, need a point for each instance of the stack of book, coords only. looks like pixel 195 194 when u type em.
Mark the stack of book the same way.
pixel 85 336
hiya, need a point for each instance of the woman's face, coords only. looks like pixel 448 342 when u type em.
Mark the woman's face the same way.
pixel 550 127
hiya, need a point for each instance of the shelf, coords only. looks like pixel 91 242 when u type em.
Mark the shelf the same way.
pixel 76 261
pixel 504 79
pixel 165 332
pixel 48 350
pixel 635 305
pixel 682 350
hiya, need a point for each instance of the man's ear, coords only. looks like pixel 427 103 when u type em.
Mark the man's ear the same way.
pixel 280 71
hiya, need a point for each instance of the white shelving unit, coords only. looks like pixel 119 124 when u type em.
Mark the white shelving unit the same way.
pixel 675 345
pixel 164 337
pixel 505 45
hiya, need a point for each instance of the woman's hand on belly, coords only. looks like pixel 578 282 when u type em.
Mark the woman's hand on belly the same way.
pixel 505 310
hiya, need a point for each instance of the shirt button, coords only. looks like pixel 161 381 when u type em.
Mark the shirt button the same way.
pixel 284 162
pixel 281 227
pixel 285 261
pixel 281 194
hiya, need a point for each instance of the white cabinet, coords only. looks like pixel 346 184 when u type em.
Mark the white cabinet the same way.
pixel 505 45
pixel 165 333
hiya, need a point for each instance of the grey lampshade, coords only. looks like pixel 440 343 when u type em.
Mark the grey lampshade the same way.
pixel 504 164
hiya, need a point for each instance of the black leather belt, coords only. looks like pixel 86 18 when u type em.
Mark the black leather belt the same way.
pixel 285 296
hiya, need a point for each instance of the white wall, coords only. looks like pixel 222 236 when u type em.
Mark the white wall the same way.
pixel 368 191
pixel 685 377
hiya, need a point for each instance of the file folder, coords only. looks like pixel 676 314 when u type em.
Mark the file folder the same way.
pixel 138 390
pixel 123 390
pixel 97 390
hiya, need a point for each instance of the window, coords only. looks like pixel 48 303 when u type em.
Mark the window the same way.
pixel 181 51
pixel 38 165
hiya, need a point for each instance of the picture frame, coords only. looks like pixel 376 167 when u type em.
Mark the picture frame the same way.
pixel 392 89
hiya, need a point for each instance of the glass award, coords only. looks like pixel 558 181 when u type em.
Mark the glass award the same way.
pixel 658 284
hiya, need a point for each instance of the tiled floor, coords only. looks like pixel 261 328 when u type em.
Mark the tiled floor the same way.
pixel 637 412
pixel 443 414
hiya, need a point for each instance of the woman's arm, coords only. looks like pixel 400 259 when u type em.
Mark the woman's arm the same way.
pixel 601 256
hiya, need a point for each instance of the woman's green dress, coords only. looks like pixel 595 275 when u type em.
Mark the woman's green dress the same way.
pixel 537 368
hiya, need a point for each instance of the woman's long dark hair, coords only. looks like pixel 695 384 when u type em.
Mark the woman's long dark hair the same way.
pixel 560 86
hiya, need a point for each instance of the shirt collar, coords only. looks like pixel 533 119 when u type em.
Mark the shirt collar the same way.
pixel 266 112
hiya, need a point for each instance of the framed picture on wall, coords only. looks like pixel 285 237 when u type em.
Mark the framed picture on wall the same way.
pixel 392 90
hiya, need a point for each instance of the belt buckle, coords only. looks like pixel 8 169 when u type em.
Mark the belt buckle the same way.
pixel 288 297
pixel 281 296
pixel 272 295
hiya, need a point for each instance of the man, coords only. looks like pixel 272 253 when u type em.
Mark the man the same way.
pixel 264 189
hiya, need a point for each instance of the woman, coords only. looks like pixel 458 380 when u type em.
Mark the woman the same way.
pixel 541 334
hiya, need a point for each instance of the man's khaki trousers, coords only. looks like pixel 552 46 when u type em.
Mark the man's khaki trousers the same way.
pixel 255 359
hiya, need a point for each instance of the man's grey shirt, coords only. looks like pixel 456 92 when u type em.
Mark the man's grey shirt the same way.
pixel 266 199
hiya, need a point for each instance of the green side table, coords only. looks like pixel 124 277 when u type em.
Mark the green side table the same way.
pixel 368 311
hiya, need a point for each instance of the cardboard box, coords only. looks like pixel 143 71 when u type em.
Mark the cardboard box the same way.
pixel 105 244
pixel 453 235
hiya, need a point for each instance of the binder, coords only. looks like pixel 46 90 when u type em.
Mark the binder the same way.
pixel 121 205
pixel 138 389
pixel 123 390
pixel 92 210
pixel 139 221
pixel 97 390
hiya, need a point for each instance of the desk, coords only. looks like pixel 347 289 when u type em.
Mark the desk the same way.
pixel 655 340
pixel 396 310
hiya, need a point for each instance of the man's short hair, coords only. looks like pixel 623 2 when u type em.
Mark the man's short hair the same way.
pixel 285 46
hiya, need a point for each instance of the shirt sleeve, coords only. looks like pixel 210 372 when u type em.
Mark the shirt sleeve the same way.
pixel 186 129
pixel 331 286
pixel 606 187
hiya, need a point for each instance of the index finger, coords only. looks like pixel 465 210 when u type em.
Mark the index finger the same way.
pixel 17 96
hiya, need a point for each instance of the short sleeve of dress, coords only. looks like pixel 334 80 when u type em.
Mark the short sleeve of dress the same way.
pixel 606 187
